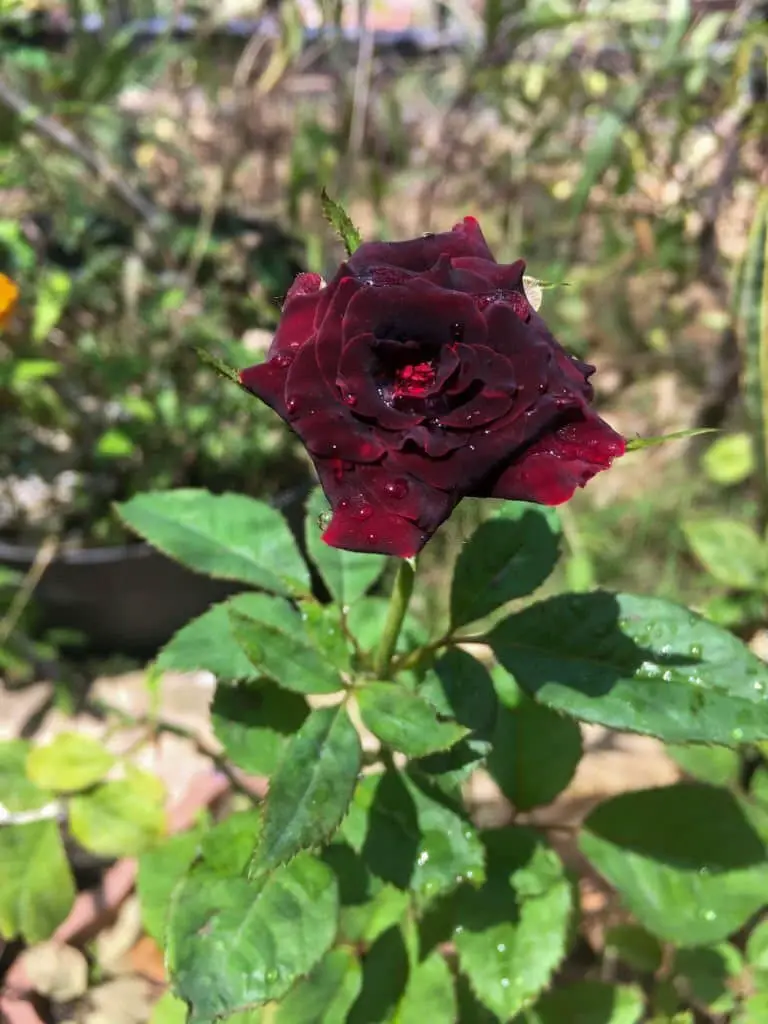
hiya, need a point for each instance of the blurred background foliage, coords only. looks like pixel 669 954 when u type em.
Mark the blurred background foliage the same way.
pixel 160 169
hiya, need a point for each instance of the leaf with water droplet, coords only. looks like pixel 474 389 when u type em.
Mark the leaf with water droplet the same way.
pixel 637 663
pixel 513 933
pixel 312 787
pixel 280 926
pixel 685 860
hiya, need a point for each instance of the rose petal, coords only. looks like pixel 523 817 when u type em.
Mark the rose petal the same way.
pixel 267 382
pixel 417 311
pixel 298 314
pixel 551 469
pixel 356 380
pixel 420 254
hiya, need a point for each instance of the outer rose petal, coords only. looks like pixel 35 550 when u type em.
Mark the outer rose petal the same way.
pixel 298 313
pixel 420 254
pixel 359 521
pixel 551 469
pixel 267 382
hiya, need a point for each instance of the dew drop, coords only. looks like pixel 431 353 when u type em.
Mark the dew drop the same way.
pixel 363 511
pixel 396 489
pixel 501 948
pixel 371 538
pixel 667 677
pixel 695 650
pixel 758 686
pixel 422 858
pixel 291 405
pixel 344 504
pixel 505 982
pixel 428 234
pixel 283 359
pixel 709 915
pixel 457 332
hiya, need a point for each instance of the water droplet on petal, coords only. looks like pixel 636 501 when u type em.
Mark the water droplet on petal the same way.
pixel 362 511
pixel 397 489
pixel 291 406
pixel 344 504
pixel 283 359
pixel 457 332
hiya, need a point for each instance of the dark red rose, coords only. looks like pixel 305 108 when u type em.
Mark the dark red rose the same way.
pixel 420 376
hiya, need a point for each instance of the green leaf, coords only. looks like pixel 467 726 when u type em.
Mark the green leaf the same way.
pixel 160 870
pixel 312 787
pixel 53 290
pixel 36 885
pixel 704 974
pixel 717 765
pixel 69 762
pixel 637 663
pixel 505 558
pixel 228 536
pixel 120 819
pixel 254 722
pixel 227 848
pixel 729 460
pixel 278 645
pixel 208 642
pixel 635 947
pixel 366 619
pixel 326 995
pixel 347 574
pixel 461 687
pixel 685 860
pixel 323 626
pixel 757 946
pixel 752 331
pixel 637 444
pixel 512 933
pixel 169 1009
pixel 430 994
pixel 534 755
pixel 17 791
pixel 753 1010
pixel 115 444
pixel 410 836
pixel 218 365
pixel 339 220
pixel 588 1002
pixel 385 975
pixel 730 551
pixel 234 943
pixel 404 721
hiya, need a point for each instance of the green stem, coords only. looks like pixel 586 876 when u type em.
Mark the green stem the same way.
pixel 398 606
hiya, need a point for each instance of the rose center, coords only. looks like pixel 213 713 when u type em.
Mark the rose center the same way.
pixel 414 380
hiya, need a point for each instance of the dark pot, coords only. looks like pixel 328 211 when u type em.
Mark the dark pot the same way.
pixel 128 599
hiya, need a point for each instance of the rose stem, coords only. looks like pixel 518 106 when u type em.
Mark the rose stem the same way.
pixel 398 606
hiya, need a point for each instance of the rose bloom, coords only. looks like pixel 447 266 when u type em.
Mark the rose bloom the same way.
pixel 421 375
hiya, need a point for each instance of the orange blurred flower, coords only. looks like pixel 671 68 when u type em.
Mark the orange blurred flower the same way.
pixel 9 294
